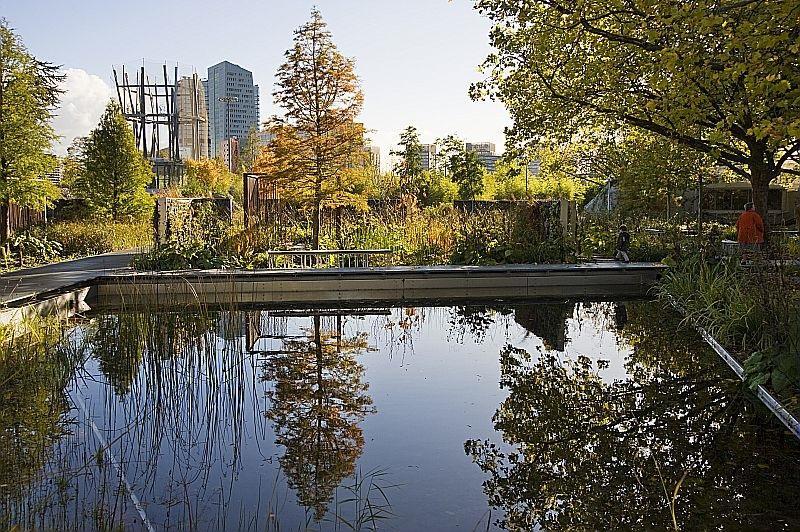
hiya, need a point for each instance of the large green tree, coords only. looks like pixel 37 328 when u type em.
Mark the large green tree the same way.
pixel 719 76
pixel 652 172
pixel 409 164
pixel 115 175
pixel 463 167
pixel 318 141
pixel 29 91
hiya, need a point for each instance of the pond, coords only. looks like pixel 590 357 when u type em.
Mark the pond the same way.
pixel 548 415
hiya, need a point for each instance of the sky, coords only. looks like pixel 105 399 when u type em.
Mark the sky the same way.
pixel 415 58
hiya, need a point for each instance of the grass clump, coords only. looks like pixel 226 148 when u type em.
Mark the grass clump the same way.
pixel 751 309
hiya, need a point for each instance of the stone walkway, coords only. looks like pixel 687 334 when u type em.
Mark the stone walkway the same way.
pixel 26 284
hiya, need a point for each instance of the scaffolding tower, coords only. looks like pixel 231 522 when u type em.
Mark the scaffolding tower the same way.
pixel 151 106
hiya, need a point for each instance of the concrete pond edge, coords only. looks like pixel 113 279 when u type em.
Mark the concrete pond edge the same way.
pixel 764 395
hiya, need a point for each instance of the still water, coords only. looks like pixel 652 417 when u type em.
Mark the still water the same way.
pixel 540 416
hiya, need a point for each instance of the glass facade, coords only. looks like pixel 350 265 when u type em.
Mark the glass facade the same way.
pixel 232 103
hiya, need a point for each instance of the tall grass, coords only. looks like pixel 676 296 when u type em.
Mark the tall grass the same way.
pixel 752 310
pixel 92 237
pixel 527 233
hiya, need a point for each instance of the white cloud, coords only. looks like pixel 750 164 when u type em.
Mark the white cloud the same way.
pixel 84 99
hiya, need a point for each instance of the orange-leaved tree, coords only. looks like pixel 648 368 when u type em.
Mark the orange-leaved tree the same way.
pixel 317 145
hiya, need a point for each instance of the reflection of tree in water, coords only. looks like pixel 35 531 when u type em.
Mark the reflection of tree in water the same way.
pixel 119 341
pixel 316 405
pixel 592 454
pixel 118 347
pixel 476 320
pixel 547 321
pixel 34 374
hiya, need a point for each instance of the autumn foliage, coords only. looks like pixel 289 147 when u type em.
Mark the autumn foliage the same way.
pixel 317 150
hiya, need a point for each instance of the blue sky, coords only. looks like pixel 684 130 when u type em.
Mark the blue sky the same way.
pixel 416 58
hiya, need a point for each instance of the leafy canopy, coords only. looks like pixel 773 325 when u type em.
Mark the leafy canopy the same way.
pixel 718 76
pixel 116 173
pixel 207 178
pixel 464 167
pixel 29 91
pixel 318 140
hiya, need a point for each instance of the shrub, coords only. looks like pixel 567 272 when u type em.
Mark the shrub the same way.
pixel 35 248
pixel 185 256
pixel 652 240
pixel 92 237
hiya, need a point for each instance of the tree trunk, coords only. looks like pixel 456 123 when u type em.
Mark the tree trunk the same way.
pixel 5 222
pixel 760 179
pixel 339 227
pixel 316 223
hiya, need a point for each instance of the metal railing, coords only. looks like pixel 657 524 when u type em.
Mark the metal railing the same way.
pixel 323 258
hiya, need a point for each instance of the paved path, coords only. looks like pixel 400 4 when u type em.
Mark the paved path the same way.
pixel 27 283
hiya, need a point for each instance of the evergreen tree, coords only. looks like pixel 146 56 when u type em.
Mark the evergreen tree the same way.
pixel 409 167
pixel 115 176
pixel 318 140
pixel 29 91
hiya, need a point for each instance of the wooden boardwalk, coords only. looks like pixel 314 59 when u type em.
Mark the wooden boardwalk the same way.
pixel 22 286
pixel 399 284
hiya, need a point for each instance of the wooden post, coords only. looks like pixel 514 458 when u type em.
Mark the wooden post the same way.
pixel 246 200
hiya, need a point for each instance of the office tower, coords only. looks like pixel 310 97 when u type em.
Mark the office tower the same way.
pixel 229 153
pixel 232 103
pixel 374 158
pixel 192 119
pixel 486 154
pixel 427 155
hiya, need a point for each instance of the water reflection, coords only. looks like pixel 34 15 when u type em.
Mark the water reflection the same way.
pixel 546 321
pixel 317 402
pixel 34 374
pixel 672 446
pixel 270 419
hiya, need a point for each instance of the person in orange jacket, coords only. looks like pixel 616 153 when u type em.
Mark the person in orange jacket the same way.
pixel 750 229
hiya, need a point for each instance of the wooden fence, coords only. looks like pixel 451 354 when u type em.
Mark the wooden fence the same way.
pixel 22 218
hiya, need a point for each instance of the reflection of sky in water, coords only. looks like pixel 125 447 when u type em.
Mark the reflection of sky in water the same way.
pixel 197 447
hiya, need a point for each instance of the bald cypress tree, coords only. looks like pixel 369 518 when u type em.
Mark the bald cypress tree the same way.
pixel 116 174
pixel 317 143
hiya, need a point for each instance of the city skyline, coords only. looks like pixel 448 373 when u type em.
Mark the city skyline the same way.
pixel 413 71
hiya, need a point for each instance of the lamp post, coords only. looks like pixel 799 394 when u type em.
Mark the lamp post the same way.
pixel 228 100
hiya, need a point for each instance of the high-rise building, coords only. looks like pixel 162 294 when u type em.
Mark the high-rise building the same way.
pixel 485 152
pixel 427 155
pixel 229 153
pixel 481 147
pixel 192 119
pixel 374 158
pixel 232 103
